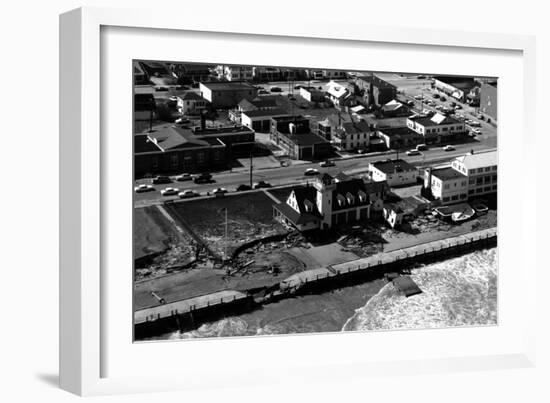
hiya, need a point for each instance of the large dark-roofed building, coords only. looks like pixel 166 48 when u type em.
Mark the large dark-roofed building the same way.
pixel 455 86
pixel 171 148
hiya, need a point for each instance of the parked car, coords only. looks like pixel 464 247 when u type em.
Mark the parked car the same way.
pixel 474 123
pixel 169 191
pixel 242 188
pixel 327 163
pixel 144 188
pixel 184 177
pixel 262 184
pixel 418 97
pixel 203 178
pixel 410 103
pixel 276 89
pixel 436 96
pixel 161 180
pixel 263 92
pixel 187 194
pixel 421 147
pixel 182 121
pixel 449 148
pixel 297 87
pixel 443 99
pixel 311 172
pixel 476 131
pixel 219 191
pixel 413 152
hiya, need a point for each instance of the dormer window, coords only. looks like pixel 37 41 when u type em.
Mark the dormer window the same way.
pixel 350 198
pixel 341 200
pixel 362 196
pixel 308 206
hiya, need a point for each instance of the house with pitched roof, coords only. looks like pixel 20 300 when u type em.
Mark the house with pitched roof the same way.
pixel 328 202
pixel 436 128
pixel 396 172
pixel 191 103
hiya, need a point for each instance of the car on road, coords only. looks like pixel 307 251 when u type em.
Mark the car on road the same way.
pixel 418 97
pixel 476 131
pixel 263 92
pixel 182 121
pixel 413 152
pixel 421 147
pixel 184 177
pixel 161 180
pixel 410 103
pixel 219 191
pixel 169 191
pixel 327 163
pixel 311 172
pixel 144 188
pixel 436 96
pixel 242 188
pixel 203 178
pixel 187 194
pixel 421 77
pixel 261 185
pixel 297 87
pixel 276 89
pixel 474 123
pixel 448 148
pixel 442 98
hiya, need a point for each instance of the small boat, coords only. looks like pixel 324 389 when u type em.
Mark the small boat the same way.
pixel 480 208
pixel 464 215
pixel 443 211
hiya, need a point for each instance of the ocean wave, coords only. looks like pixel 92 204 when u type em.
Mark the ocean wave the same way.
pixel 458 292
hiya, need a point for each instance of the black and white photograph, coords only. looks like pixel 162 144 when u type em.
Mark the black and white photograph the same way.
pixel 275 200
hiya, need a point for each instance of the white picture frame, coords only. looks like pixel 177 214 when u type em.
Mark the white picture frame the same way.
pixel 83 160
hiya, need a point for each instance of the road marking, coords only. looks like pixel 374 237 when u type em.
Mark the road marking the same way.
pixel 169 218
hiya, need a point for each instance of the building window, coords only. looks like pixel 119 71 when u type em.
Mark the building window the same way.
pixel 479 170
pixel 487 179
pixel 487 188
pixel 471 191
pixel 445 199
pixel 472 181
pixel 174 160
pixel 446 186
pixel 494 187
pixel 487 169
pixel 463 196
pixel 494 178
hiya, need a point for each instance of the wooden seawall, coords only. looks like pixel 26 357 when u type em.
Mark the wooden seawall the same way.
pixel 191 313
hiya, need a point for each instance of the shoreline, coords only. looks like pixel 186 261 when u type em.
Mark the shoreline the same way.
pixel 184 315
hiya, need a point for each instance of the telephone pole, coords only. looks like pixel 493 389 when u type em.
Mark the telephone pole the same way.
pixel 251 169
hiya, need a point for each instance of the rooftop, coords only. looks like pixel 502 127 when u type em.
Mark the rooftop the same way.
pixel 391 166
pixel 142 144
pixel 191 96
pixel 228 85
pixel 306 139
pixel 175 138
pixel 462 83
pixel 266 112
pixel 447 173
pixel 257 103
pixel 398 131
pixel 436 120
pixel 479 159
pixel 376 81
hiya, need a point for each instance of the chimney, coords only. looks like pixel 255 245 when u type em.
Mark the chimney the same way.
pixel 203 122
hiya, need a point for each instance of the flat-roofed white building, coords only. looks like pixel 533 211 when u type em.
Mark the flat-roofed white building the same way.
pixel 395 172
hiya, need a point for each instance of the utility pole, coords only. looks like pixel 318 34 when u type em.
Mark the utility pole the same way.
pixel 225 243
pixel 251 169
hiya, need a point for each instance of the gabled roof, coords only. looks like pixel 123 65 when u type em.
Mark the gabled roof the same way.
pixel 391 106
pixel 303 194
pixel 480 159
pixel 174 138
pixel 355 127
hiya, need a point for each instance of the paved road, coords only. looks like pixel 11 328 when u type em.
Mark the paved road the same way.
pixel 295 173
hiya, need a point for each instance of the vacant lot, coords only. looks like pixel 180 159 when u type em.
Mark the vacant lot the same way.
pixel 249 216
pixel 153 233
